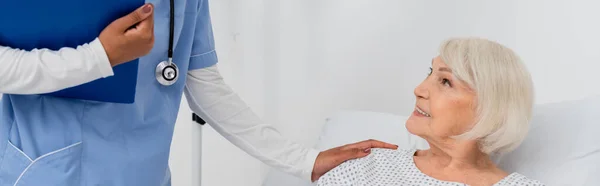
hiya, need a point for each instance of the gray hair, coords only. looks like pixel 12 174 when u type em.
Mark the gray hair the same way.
pixel 503 87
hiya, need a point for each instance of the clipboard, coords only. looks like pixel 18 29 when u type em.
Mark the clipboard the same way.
pixel 31 24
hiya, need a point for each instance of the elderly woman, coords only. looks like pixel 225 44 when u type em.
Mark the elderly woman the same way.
pixel 475 102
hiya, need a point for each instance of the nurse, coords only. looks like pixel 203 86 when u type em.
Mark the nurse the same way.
pixel 56 141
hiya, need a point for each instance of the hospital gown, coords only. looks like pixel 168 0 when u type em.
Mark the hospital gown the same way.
pixel 385 167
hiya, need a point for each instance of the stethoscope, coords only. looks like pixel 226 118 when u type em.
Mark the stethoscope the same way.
pixel 167 71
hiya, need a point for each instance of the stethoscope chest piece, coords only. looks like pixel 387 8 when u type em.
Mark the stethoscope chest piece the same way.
pixel 167 73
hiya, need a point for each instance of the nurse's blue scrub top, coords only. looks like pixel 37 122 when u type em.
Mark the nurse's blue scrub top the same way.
pixel 53 141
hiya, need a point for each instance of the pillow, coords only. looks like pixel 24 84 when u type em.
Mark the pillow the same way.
pixel 349 126
pixel 562 147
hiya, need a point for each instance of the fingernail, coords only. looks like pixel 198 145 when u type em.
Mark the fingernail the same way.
pixel 367 150
pixel 147 8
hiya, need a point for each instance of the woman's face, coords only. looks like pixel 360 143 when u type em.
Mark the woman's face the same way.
pixel 445 106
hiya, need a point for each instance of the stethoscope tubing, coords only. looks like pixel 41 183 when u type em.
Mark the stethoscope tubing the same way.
pixel 167 72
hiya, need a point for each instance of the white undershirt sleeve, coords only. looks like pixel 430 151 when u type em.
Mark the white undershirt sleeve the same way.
pixel 42 71
pixel 216 103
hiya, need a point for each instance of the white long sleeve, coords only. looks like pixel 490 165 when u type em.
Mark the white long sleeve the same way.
pixel 216 103
pixel 42 71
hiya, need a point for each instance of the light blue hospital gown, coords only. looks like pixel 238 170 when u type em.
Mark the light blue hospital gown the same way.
pixel 49 141
pixel 385 167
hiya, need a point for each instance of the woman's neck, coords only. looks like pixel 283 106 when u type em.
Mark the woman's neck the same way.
pixel 460 162
pixel 457 157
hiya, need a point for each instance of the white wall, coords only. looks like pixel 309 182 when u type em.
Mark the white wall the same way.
pixel 559 42
pixel 295 62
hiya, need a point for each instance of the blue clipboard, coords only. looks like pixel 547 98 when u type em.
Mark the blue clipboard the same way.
pixel 53 24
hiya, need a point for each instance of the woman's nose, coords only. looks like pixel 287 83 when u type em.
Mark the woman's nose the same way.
pixel 421 91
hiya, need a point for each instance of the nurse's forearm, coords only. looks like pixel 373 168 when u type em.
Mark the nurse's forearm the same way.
pixel 214 101
pixel 43 71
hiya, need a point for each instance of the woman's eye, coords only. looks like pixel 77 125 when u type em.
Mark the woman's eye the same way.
pixel 446 82
pixel 430 71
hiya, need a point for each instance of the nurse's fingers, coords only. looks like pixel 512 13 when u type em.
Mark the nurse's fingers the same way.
pixel 368 144
pixel 129 37
pixel 144 30
pixel 126 22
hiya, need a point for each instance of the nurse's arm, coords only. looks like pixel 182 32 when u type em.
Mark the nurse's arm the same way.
pixel 216 103
pixel 42 71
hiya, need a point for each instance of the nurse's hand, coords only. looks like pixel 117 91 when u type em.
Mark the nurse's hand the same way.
pixel 331 158
pixel 129 37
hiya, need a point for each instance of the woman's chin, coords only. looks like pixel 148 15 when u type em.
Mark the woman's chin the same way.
pixel 413 126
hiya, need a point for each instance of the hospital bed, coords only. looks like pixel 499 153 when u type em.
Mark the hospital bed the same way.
pixel 562 148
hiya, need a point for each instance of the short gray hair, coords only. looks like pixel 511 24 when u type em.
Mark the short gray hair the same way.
pixel 503 87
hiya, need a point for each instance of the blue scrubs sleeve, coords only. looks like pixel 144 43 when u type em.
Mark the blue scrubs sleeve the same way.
pixel 203 48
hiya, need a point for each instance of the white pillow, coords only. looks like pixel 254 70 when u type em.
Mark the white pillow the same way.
pixel 563 145
pixel 350 126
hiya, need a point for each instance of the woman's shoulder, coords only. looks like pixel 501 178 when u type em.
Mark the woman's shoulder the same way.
pixel 390 154
pixel 356 171
pixel 385 156
pixel 518 179
pixel 398 151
